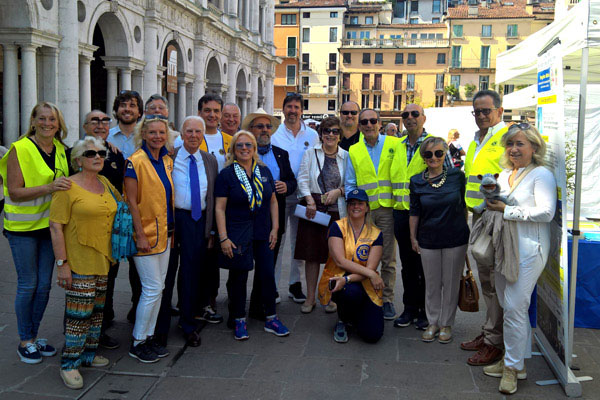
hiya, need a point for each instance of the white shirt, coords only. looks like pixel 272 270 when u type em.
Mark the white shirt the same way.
pixel 214 145
pixel 181 179
pixel 491 132
pixel 295 145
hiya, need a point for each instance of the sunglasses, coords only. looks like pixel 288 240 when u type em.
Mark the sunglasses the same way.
pixel 98 121
pixel 348 112
pixel 133 92
pixel 262 126
pixel 331 131
pixel 406 114
pixel 94 153
pixel 365 121
pixel 154 117
pixel 484 111
pixel 429 154
pixel 523 126
pixel 246 145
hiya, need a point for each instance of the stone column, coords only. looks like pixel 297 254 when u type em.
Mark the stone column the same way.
pixel 125 78
pixel 50 70
pixel 137 82
pixel 200 54
pixel 253 15
pixel 85 89
pixel 181 102
pixel 231 80
pixel 68 66
pixel 151 84
pixel 269 93
pixel 189 103
pixel 111 88
pixel 10 94
pixel 172 109
pixel 253 104
pixel 28 84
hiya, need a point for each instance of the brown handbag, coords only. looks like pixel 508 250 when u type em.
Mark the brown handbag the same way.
pixel 468 295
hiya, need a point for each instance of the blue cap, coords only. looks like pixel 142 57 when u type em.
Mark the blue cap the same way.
pixel 357 194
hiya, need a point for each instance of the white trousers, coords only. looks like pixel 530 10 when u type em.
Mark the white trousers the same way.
pixel 515 299
pixel 290 233
pixel 152 270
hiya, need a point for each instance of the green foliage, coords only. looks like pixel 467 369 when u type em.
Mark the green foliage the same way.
pixel 470 89
pixel 570 159
pixel 451 90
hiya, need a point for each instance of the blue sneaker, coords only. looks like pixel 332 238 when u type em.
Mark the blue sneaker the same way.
pixel 389 312
pixel 241 330
pixel 45 349
pixel 339 332
pixel 29 354
pixel 276 327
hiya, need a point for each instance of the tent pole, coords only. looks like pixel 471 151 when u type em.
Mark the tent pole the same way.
pixel 577 199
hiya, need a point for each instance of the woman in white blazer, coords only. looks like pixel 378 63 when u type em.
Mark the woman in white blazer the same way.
pixel 321 188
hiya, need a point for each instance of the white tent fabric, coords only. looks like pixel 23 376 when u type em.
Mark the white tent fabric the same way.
pixel 524 98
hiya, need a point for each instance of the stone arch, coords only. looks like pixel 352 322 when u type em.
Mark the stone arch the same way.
pixel 115 30
pixel 214 75
pixel 241 90
pixel 170 38
pixel 19 14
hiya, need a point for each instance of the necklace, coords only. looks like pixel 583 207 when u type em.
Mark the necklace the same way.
pixel 430 181
pixel 354 230
pixel 41 148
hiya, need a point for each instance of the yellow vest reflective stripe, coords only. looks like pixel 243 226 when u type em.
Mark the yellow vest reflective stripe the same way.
pixel 378 185
pixel 401 174
pixel 356 251
pixel 30 215
pixel 487 161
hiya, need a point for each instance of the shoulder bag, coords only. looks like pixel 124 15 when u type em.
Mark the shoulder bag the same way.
pixel 121 239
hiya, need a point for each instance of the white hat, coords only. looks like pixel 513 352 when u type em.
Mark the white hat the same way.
pixel 260 113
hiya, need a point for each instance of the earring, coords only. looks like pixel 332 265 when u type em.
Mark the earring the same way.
pixel 80 169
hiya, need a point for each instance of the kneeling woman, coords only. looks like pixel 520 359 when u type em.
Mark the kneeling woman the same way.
pixel 355 248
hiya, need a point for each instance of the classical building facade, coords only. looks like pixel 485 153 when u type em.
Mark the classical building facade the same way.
pixel 80 54
pixel 286 36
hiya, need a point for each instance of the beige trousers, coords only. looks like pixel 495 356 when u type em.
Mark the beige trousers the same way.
pixel 383 218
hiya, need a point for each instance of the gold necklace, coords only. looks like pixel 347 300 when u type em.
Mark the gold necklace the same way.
pixel 440 183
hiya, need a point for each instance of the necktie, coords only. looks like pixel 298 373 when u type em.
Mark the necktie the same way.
pixel 195 190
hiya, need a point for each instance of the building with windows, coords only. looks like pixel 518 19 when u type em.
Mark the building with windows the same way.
pixel 286 40
pixel 479 31
pixel 418 12
pixel 80 54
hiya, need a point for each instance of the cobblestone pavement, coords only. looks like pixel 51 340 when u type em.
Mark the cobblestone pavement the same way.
pixel 307 364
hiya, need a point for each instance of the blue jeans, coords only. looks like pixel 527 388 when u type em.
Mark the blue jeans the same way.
pixel 34 260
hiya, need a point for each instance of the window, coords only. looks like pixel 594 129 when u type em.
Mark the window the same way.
pixel 399 58
pixel 437 6
pixel 378 58
pixel 351 35
pixel 509 89
pixel 305 35
pixel 439 100
pixel 346 81
pixel 441 58
pixel 456 56
pixel 365 81
pixel 397 102
pixel 435 20
pixel 291 75
pixel 345 97
pixel 412 58
pixel 423 36
pixel 305 62
pixel 332 61
pixel 510 46
pixel 364 101
pixel 305 104
pixel 410 81
pixel 368 20
pixel 377 101
pixel 399 9
pixel 365 34
pixel 292 49
pixel 414 20
pixel 332 81
pixel 288 19
pixel 305 15
pixel 333 14
pixel 377 83
pixel 484 62
pixel 332 35
pixel 439 82
pixel 455 81
pixel 439 35
pixel 511 31
pixel 398 82
pixel 305 84
pixel 486 31
pixel 484 82
pixel 457 30
pixel 347 58
pixel 331 105
pixel 366 58
pixel 414 7
pixel 353 20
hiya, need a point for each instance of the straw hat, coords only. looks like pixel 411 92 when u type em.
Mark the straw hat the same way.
pixel 258 114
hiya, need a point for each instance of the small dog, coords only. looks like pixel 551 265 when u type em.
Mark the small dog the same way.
pixel 491 191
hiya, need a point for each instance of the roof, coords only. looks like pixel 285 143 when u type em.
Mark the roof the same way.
pixel 312 4
pixel 497 10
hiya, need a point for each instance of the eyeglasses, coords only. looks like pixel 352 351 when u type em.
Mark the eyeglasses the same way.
pixel 429 154
pixel 523 126
pixel 348 112
pixel 93 153
pixel 406 114
pixel 331 131
pixel 262 126
pixel 246 145
pixel 154 117
pixel 484 111
pixel 132 92
pixel 98 121
pixel 365 121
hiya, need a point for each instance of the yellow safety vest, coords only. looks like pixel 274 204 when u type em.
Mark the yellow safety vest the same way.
pixel 401 174
pixel 31 215
pixel 377 184
pixel 356 251
pixel 487 161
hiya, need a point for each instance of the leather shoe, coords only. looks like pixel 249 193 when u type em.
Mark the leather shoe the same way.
pixel 192 339
pixel 473 345
pixel 486 355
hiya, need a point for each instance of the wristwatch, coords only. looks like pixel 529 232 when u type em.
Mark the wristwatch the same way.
pixel 347 278
pixel 59 263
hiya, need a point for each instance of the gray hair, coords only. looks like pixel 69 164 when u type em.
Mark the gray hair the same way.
pixel 388 126
pixel 192 118
pixel 82 145
pixel 432 141
pixel 85 120
pixel 155 97
pixel 234 105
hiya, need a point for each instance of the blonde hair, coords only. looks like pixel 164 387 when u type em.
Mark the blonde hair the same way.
pixel 368 221
pixel 452 134
pixel 533 136
pixel 140 128
pixel 81 146
pixel 231 152
pixel 61 133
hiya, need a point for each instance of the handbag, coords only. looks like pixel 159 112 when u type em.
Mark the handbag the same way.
pixel 121 239
pixel 468 294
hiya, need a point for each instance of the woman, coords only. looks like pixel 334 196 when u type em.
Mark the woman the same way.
pixel 247 218
pixel 456 150
pixel 534 203
pixel 35 167
pixel 439 232
pixel 149 193
pixel 321 186
pixel 355 249
pixel 81 220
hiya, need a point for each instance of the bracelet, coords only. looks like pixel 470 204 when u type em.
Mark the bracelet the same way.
pixel 347 279
pixel 223 240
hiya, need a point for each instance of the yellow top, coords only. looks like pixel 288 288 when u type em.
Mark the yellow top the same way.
pixel 88 219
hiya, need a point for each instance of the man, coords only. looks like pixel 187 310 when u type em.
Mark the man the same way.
pixel 391 129
pixel 157 105
pixel 483 157
pixel 262 126
pixel 368 167
pixel 230 121
pixel 349 124
pixel 96 124
pixel 294 137
pixel 408 162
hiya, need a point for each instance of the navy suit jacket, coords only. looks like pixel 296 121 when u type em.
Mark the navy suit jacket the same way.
pixel 287 176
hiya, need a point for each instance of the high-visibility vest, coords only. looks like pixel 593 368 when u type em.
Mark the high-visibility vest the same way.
pixel 401 174
pixel 487 161
pixel 377 184
pixel 31 215
pixel 358 251
pixel 226 142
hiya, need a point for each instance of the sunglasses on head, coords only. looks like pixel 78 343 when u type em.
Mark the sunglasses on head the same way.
pixel 365 121
pixel 132 92
pixel 262 126
pixel 484 111
pixel 429 154
pixel 153 117
pixel 247 145
pixel 331 131
pixel 348 112
pixel 406 114
pixel 93 153
pixel 523 126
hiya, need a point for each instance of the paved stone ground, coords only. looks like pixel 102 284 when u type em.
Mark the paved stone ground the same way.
pixel 307 364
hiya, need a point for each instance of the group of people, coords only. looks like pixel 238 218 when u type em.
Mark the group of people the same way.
pixel 228 193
